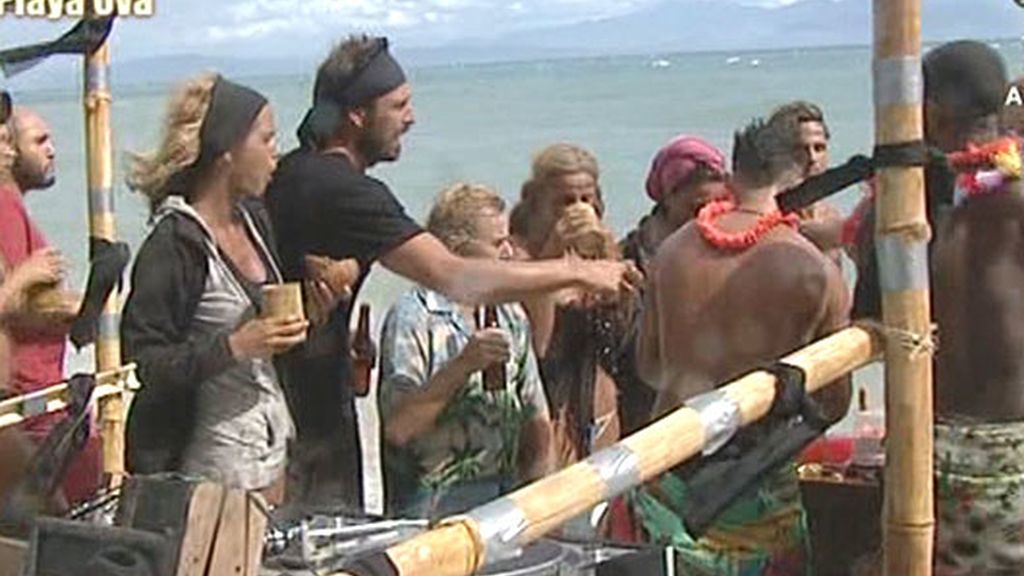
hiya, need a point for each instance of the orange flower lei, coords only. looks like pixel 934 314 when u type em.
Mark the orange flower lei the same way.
pixel 738 240
pixel 985 169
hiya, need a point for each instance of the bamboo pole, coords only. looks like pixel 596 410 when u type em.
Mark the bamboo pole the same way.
pixel 100 166
pixel 903 232
pixel 460 545
pixel 55 398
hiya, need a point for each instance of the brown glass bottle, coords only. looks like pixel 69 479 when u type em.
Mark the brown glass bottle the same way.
pixel 494 375
pixel 364 355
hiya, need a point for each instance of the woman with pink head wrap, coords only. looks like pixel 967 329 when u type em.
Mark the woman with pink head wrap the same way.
pixel 685 174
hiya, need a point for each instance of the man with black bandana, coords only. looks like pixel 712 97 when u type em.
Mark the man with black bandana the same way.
pixel 322 203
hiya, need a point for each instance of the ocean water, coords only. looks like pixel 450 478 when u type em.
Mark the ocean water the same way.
pixel 481 123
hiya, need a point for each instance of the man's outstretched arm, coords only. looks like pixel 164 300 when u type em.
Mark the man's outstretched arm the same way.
pixel 426 261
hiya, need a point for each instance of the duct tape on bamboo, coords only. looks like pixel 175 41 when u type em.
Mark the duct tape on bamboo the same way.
pixel 719 416
pixel 501 525
pixel 902 263
pixel 54 398
pixel 898 82
pixel 101 200
pixel 109 325
pixel 619 468
pixel 97 77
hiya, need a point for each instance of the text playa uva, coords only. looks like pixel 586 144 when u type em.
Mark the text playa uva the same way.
pixel 54 9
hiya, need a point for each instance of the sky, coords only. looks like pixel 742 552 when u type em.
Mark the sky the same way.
pixel 300 26
pixel 286 28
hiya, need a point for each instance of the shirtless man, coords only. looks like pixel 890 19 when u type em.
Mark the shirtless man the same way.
pixel 722 314
pixel 978 269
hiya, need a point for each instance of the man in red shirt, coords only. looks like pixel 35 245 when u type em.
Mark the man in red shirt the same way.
pixel 38 325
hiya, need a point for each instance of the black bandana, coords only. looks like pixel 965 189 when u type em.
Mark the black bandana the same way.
pixel 232 112
pixel 379 75
pixel 233 109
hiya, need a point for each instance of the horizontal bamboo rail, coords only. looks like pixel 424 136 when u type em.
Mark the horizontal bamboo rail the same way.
pixel 461 545
pixel 55 398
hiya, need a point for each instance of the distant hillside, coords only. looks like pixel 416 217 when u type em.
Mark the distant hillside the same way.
pixel 713 25
pixel 666 27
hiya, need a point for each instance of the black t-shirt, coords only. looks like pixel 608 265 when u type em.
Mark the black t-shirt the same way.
pixel 319 204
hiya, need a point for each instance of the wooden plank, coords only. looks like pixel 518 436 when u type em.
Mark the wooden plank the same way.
pixel 204 513
pixel 229 557
pixel 256 527
pixel 13 554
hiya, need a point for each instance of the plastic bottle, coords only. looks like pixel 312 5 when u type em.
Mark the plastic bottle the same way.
pixel 869 427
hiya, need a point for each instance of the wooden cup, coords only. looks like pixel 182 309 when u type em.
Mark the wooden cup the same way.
pixel 281 300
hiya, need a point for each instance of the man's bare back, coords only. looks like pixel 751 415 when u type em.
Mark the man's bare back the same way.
pixel 713 315
pixel 979 300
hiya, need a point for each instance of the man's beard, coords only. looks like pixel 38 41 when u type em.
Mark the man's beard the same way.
pixel 374 148
pixel 32 179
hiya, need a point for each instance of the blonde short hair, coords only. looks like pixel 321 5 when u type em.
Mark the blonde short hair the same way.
pixel 456 210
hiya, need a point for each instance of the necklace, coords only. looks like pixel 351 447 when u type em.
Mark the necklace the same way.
pixel 738 240
pixel 985 169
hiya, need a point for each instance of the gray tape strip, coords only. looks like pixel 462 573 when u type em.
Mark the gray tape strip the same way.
pixel 898 81
pixel 109 326
pixel 501 524
pixel 97 78
pixel 34 407
pixel 101 201
pixel 720 417
pixel 619 467
pixel 902 265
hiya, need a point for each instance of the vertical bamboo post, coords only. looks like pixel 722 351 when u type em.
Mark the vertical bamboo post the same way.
pixel 902 250
pixel 100 169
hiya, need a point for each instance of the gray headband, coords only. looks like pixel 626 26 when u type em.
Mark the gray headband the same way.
pixel 233 110
pixel 380 74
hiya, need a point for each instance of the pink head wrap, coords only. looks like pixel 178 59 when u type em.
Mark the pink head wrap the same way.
pixel 677 160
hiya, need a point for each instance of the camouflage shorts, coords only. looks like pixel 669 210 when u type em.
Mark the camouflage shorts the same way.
pixel 979 473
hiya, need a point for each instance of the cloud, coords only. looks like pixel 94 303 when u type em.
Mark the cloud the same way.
pixel 770 3
pixel 248 19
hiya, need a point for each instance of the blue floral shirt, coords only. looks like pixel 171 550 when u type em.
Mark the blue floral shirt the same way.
pixel 477 434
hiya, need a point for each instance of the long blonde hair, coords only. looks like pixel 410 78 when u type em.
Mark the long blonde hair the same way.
pixel 550 163
pixel 151 173
pixel 559 160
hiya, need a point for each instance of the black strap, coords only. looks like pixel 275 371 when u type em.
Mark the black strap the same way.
pixel 829 182
pixel 903 154
pixel 858 168
pixel 376 564
pixel 108 261
pixel 793 422
pixel 46 470
pixel 790 382
pixel 85 36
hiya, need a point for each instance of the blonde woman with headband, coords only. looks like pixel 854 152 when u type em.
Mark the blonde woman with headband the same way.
pixel 211 404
